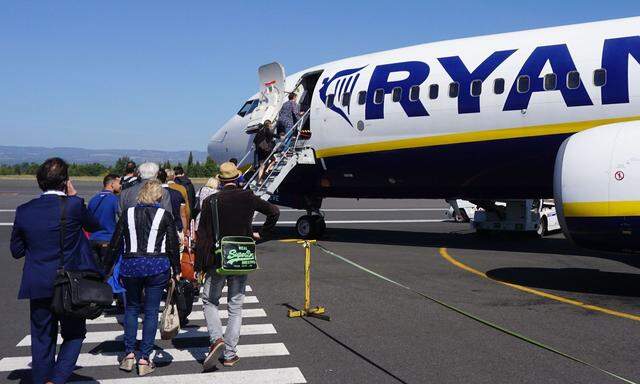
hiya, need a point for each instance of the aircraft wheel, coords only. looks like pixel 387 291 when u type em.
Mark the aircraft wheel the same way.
pixel 305 227
pixel 320 226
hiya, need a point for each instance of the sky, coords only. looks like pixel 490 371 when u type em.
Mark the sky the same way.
pixel 166 74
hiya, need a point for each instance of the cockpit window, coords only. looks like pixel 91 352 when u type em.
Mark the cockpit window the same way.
pixel 248 107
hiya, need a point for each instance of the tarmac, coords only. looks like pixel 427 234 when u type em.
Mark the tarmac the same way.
pixel 578 302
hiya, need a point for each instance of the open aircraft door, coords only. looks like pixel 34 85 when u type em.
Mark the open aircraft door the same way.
pixel 272 95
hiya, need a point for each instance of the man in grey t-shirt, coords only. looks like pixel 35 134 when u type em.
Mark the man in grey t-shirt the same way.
pixel 129 197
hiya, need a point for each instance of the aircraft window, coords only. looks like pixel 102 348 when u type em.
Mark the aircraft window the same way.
pixel 254 105
pixel 433 91
pixel 524 84
pixel 573 79
pixel 346 99
pixel 498 86
pixel 396 94
pixel 378 96
pixel 550 82
pixel 476 88
pixel 600 77
pixel 330 100
pixel 414 93
pixel 454 89
pixel 362 97
pixel 248 107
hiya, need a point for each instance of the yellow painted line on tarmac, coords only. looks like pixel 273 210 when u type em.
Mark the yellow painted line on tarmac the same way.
pixel 445 254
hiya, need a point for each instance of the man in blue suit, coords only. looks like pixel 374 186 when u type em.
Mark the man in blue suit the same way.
pixel 36 236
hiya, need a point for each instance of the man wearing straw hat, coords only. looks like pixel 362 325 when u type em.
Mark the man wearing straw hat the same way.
pixel 236 208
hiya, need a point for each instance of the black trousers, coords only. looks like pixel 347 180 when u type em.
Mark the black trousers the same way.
pixel 101 253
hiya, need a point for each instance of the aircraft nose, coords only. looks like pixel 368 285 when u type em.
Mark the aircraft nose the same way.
pixel 229 141
pixel 216 148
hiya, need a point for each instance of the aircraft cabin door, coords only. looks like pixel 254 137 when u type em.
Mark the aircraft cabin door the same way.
pixel 272 95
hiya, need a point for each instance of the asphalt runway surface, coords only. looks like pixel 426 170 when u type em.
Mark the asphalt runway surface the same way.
pixel 579 302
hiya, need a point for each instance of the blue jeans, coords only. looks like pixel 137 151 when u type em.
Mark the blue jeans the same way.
pixel 44 336
pixel 211 292
pixel 153 287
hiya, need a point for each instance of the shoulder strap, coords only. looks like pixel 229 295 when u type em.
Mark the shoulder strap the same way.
pixel 215 219
pixel 63 224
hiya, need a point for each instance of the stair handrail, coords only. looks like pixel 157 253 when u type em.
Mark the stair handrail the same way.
pixel 251 148
pixel 281 147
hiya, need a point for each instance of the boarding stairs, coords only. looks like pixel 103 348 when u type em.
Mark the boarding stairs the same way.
pixel 287 154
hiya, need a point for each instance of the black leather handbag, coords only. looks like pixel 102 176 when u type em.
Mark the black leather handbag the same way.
pixel 79 294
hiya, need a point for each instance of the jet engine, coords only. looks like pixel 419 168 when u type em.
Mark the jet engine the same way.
pixel 597 187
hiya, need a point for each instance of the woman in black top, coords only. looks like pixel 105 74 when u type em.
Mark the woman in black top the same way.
pixel 264 144
pixel 151 251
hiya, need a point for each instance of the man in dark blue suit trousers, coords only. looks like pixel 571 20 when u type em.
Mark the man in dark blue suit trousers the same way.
pixel 36 237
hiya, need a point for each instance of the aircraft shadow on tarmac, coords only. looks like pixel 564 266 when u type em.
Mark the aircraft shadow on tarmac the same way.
pixel 580 280
pixel 563 279
pixel 454 240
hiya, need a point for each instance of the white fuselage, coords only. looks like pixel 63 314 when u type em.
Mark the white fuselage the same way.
pixel 414 131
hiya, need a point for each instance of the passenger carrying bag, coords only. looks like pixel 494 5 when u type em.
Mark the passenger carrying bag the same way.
pixel 237 254
pixel 187 263
pixel 170 321
pixel 79 294
pixel 185 293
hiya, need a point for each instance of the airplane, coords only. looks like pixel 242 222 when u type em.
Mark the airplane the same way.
pixel 544 113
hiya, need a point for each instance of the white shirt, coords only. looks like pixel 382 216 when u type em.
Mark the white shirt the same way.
pixel 59 193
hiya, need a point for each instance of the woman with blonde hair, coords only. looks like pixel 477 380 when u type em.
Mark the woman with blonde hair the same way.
pixel 151 250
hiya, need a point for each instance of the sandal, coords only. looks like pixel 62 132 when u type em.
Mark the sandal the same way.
pixel 128 363
pixel 145 369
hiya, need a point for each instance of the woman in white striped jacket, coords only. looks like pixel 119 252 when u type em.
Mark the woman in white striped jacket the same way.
pixel 151 251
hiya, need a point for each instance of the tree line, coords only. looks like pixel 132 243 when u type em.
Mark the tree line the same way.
pixel 192 168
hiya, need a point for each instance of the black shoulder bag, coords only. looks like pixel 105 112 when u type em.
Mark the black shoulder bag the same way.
pixel 237 254
pixel 79 294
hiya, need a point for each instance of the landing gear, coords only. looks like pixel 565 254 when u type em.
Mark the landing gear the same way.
pixel 311 226
pixel 543 228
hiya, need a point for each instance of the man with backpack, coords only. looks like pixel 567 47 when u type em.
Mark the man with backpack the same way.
pixel 130 177
pixel 235 210
pixel 104 206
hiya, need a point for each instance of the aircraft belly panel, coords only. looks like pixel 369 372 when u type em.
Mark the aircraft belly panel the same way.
pixel 512 168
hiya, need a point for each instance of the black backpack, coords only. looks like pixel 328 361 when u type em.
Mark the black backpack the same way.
pixel 130 183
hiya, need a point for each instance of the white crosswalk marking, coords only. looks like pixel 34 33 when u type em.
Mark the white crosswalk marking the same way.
pixel 189 333
pixel 224 290
pixel 159 357
pixel 247 289
pixel 257 376
pixel 223 301
pixel 199 315
pixel 190 348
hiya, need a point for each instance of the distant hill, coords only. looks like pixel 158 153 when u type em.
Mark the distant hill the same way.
pixel 10 155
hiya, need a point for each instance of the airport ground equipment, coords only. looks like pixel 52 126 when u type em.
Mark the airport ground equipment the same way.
pixel 288 154
pixel 530 215
pixel 307 309
pixel 462 211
